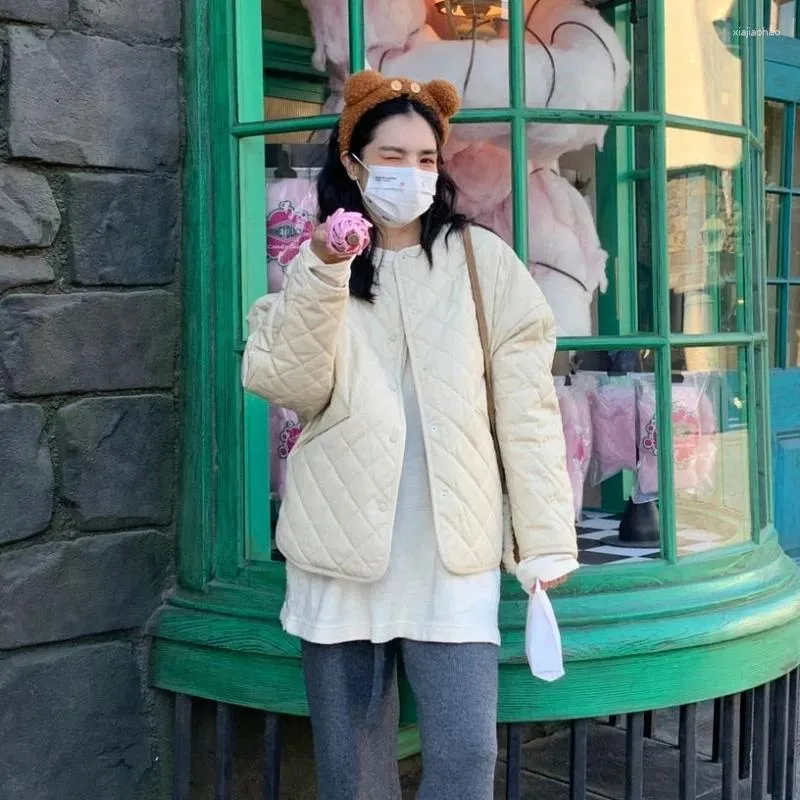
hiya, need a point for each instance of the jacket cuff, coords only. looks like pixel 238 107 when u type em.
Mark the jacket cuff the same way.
pixel 544 568
pixel 336 276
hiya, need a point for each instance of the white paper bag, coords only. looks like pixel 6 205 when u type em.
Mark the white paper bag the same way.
pixel 542 637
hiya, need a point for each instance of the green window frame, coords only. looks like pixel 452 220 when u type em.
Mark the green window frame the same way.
pixel 227 460
pixel 787 195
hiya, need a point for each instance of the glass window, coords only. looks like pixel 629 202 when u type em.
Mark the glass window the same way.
pixel 782 16
pixel 774 127
pixel 704 229
pixel 793 325
pixel 589 225
pixel 772 323
pixel 773 211
pixel 710 449
pixel 704 60
pixel 794 251
pixel 618 514
pixel 795 182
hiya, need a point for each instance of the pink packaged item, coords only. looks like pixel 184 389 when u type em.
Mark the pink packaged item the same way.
pixel 284 429
pixel 291 216
pixel 347 231
pixel 694 428
pixel 577 421
pixel 613 410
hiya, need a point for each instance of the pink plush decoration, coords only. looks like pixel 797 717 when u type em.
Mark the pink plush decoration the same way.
pixel 291 215
pixel 577 421
pixel 591 69
pixel 482 172
pixel 388 26
pixel 613 409
pixel 284 429
pixel 562 235
pixel 694 429
pixel 348 232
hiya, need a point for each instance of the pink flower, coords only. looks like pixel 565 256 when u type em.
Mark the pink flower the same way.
pixel 348 232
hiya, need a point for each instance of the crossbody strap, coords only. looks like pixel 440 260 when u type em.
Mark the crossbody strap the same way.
pixel 483 332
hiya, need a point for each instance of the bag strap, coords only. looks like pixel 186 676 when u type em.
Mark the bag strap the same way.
pixel 483 332
pixel 510 544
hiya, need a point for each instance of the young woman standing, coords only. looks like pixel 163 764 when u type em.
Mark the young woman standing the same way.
pixel 392 519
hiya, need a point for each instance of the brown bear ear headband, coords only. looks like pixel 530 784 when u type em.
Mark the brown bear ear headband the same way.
pixel 367 89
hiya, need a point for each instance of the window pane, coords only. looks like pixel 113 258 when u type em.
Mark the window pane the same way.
pixel 762 401
pixel 794 257
pixel 704 231
pixel 599 412
pixel 589 233
pixel 794 326
pixel 773 219
pixel 704 60
pixel 710 449
pixel 781 17
pixel 774 126
pixel 772 324
pixel 796 154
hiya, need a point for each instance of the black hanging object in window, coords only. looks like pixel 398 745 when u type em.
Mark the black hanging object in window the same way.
pixel 284 169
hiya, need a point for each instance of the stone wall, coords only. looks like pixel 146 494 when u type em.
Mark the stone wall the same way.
pixel 90 152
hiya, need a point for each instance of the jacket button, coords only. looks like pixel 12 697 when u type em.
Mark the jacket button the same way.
pixel 393 337
pixel 395 437
pixel 382 505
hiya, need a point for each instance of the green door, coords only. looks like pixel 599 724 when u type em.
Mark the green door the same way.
pixel 782 165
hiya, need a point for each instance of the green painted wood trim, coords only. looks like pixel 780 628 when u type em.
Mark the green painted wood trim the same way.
pixel 661 319
pixel 355 22
pixel 290 54
pixel 408 742
pixel 743 633
pixel 519 156
pixel 195 493
pixel 294 89
pixel 715 605
pixel 478 115
pixel 226 324
pixel 256 542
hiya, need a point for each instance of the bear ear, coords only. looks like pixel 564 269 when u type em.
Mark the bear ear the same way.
pixel 361 84
pixel 445 95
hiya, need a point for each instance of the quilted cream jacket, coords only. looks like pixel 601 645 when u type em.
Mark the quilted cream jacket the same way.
pixel 337 361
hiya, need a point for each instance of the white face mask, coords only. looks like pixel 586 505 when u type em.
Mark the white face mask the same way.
pixel 396 196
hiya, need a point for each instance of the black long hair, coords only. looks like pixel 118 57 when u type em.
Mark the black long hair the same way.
pixel 336 189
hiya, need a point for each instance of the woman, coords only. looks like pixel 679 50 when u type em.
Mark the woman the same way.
pixel 391 523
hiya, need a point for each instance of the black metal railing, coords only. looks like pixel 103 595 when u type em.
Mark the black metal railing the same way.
pixel 754 739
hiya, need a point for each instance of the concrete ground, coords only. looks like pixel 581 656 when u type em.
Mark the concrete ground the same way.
pixel 546 764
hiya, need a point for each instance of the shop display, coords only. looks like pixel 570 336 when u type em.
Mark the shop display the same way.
pixel 573 59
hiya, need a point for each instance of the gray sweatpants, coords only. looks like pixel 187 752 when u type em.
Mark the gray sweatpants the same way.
pixel 353 701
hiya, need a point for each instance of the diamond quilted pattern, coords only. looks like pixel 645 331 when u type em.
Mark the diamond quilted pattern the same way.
pixel 311 348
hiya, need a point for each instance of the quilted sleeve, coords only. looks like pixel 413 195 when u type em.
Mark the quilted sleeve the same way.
pixel 528 419
pixel 290 351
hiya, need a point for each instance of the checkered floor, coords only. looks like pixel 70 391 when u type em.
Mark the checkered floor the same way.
pixel 597 532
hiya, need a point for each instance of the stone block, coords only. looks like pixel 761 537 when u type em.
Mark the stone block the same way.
pixel 123 229
pixel 61 590
pixel 48 12
pixel 23 271
pixel 151 19
pixel 86 100
pixel 73 725
pixel 87 342
pixel 26 473
pixel 116 456
pixel 29 216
